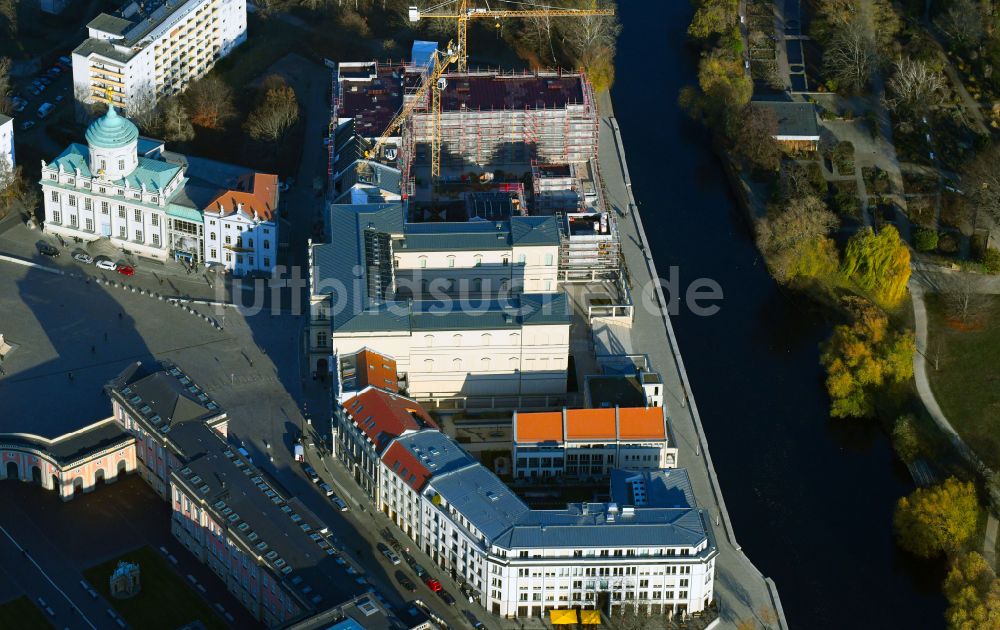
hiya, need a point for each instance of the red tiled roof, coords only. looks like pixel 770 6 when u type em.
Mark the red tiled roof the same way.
pixel 406 466
pixel 383 416
pixel 257 192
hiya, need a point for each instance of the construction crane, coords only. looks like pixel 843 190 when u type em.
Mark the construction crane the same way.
pixel 466 13
pixel 439 64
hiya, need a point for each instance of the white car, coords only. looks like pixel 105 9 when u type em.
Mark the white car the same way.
pixel 84 258
pixel 325 487
pixel 339 503
pixel 107 265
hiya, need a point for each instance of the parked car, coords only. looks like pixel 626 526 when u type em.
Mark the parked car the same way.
pixel 26 125
pixel 300 453
pixel 45 110
pixel 446 597
pixel 389 554
pixel 106 264
pixel 245 453
pixel 84 258
pixel 59 98
pixel 46 249
pixel 325 487
pixel 125 270
pixel 311 473
pixel 66 60
pixel 339 503
pixel 432 584
pixel 478 625
pixel 405 582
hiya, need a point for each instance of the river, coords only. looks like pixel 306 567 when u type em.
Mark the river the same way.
pixel 811 498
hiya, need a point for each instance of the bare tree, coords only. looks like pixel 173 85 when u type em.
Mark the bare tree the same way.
pixel 176 124
pixel 851 57
pixel 752 132
pixel 275 114
pixel 144 113
pixel 963 23
pixel 5 104
pixel 914 87
pixel 981 181
pixel 961 295
pixel 210 102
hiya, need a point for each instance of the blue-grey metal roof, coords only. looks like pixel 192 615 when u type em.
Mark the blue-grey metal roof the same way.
pixel 665 488
pixel 467 235
pixel 154 174
pixel 436 451
pixel 534 230
pixel 482 499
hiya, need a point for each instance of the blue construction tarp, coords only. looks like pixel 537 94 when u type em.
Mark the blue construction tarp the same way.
pixel 422 53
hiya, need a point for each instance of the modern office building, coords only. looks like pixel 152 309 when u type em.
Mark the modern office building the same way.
pixel 147 50
pixel 241 226
pixel 590 443
pixel 465 308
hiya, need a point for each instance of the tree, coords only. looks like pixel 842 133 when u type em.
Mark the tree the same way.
pixel 937 519
pixel 6 107
pixel 753 133
pixel 973 594
pixel 879 263
pixel 862 357
pixel 724 88
pixel 914 87
pixel 712 17
pixel 209 100
pixel 981 180
pixel 175 122
pixel 904 438
pixel 795 241
pixel 961 295
pixel 276 112
pixel 591 42
pixel 850 58
pixel 963 23
pixel 143 111
pixel 925 240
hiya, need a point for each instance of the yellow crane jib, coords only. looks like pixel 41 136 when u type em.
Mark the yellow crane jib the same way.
pixel 466 13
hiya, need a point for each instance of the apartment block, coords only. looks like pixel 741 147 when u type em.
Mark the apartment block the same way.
pixel 147 50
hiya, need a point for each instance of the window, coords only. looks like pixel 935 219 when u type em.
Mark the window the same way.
pixel 138 215
pixel 56 216
pixel 506 260
pixel 229 257
pixel 154 220
pixel 215 254
pixel 104 207
pixel 267 262
pixel 239 258
pixel 250 260
pixel 456 340
pixel 121 165
pixel 429 340
pixel 211 235
pixel 249 242
pixel 486 339
pixel 451 261
pixel 423 262
pixel 548 259
pixel 154 199
pixel 522 259
pixel 456 364
pixel 239 241
pixel 55 196
pixel 212 222
pixel 428 365
pixel 138 236
pixel 72 220
pixel 88 203
pixel 267 243
pixel 89 223
pixel 121 212
pixel 104 167
pixel 121 232
pixel 229 240
pixel 479 260
pixel 156 240
pixel 102 189
pixel 485 364
pixel 321 339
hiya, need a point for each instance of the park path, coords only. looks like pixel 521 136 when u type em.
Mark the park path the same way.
pixel 990 540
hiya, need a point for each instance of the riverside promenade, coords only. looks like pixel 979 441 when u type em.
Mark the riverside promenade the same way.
pixel 741 590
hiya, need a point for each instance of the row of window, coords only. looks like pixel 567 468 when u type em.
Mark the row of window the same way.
pixel 487 364
pixel 239 240
pixel 103 190
pixel 88 226
pixel 88 204
pixel 214 255
pixel 477 260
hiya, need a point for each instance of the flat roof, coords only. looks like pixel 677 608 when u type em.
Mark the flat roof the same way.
pixel 477 91
pixel 371 94
pixel 620 423
pixel 610 390
pixel 795 119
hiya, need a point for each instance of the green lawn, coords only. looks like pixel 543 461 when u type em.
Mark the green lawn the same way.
pixel 22 614
pixel 967 381
pixel 166 600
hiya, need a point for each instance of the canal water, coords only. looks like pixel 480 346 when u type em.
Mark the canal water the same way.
pixel 811 498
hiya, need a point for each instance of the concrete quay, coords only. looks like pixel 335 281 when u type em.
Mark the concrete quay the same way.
pixel 742 591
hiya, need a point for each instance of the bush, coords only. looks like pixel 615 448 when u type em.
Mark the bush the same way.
pixel 991 261
pixel 925 240
pixel 904 438
pixel 948 244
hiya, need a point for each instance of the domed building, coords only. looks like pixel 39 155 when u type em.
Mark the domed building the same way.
pixel 118 186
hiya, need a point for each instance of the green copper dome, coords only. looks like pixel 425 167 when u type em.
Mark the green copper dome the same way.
pixel 111 131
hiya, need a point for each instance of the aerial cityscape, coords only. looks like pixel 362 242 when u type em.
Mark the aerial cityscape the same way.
pixel 434 314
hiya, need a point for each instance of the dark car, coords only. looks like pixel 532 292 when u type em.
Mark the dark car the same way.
pixel 46 249
pixel 405 582
pixel 478 625
pixel 446 597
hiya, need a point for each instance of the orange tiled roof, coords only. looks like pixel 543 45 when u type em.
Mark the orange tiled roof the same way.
pixel 376 369
pixel 590 424
pixel 641 423
pixel 539 427
pixel 634 423
pixel 256 191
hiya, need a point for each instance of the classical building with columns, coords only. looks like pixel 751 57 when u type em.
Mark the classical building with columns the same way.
pixel 117 186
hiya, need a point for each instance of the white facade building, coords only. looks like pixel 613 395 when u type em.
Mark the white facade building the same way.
pixel 106 188
pixel 470 308
pixel 151 49
pixel 650 548
pixel 7 141
pixel 241 226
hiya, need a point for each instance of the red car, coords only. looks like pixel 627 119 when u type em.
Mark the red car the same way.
pixel 433 584
pixel 125 270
